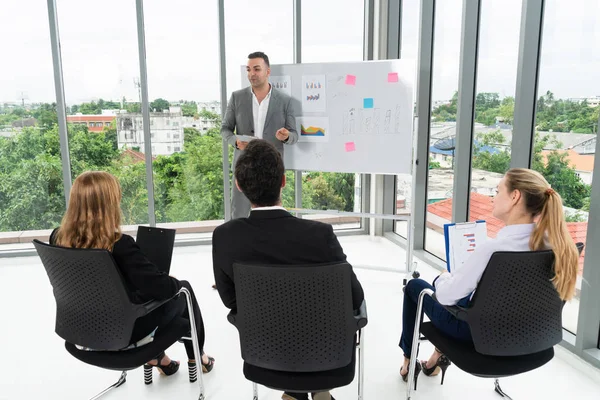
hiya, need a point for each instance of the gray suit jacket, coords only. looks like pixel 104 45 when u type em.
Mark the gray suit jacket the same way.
pixel 239 118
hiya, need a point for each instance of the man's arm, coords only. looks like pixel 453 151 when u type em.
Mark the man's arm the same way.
pixel 223 270
pixel 228 124
pixel 358 294
pixel 290 123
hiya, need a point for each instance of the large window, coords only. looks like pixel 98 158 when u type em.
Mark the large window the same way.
pixel 408 51
pixel 264 25
pixel 183 87
pixel 328 190
pixel 443 123
pixel 101 75
pixel 343 40
pixel 567 115
pixel 31 188
pixel 494 105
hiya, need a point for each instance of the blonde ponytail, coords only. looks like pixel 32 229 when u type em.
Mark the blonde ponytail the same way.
pixel 551 228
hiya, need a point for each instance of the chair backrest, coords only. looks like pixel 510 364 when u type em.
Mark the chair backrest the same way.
pixel 295 318
pixel 516 309
pixel 93 308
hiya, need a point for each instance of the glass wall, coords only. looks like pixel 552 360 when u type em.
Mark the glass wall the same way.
pixel 408 51
pixel 327 190
pixel 494 105
pixel 567 115
pixel 443 123
pixel 101 75
pixel 344 43
pixel 31 184
pixel 185 111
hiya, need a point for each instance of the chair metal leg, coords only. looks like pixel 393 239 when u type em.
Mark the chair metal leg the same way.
pixel 361 363
pixel 499 390
pixel 415 344
pixel 122 380
pixel 194 332
pixel 255 391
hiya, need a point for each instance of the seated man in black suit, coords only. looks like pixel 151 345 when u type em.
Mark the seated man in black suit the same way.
pixel 271 235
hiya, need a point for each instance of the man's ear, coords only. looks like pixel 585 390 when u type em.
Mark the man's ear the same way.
pixel 282 182
pixel 238 186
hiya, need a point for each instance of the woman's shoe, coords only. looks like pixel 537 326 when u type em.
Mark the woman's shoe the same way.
pixel 441 364
pixel 417 371
pixel 206 368
pixel 168 369
pixel 193 368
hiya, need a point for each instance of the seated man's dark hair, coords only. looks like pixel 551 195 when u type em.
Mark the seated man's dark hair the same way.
pixel 259 173
pixel 260 54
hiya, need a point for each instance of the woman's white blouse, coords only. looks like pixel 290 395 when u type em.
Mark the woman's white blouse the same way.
pixel 452 287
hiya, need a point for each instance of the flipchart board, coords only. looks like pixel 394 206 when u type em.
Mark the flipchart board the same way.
pixel 350 117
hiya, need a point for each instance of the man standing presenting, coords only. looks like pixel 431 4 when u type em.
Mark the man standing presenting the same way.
pixel 257 111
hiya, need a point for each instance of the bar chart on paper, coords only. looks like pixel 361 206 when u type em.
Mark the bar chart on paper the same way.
pixel 462 240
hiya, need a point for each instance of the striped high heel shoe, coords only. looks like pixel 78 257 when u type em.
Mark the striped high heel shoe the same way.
pixel 168 369
pixel 193 368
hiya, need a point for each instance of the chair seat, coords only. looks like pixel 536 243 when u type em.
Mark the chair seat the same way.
pixel 133 358
pixel 464 356
pixel 302 381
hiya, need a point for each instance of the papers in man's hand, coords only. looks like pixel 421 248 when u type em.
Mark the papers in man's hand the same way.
pixel 245 138
pixel 461 241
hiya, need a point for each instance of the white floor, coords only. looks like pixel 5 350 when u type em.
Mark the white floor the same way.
pixel 34 363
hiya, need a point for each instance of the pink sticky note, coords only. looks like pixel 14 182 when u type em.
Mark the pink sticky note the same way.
pixel 393 77
pixel 350 146
pixel 350 80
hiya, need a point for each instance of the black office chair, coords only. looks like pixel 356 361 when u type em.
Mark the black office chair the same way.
pixel 298 331
pixel 515 318
pixel 93 310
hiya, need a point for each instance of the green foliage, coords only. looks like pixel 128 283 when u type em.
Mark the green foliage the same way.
pixel 555 168
pixel 495 162
pixel 565 181
pixel 31 186
pixel 94 108
pixel 46 116
pixel 322 193
pixel 159 105
pixel 552 115
pixel 576 217
pixel 133 107
pixel 189 109
pixel 198 193
pixel 434 164
pixel 446 112
pixel 189 135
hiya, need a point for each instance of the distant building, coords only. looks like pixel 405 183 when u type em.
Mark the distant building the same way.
pixel 166 131
pixel 593 101
pixel 95 123
pixel 583 164
pixel 211 106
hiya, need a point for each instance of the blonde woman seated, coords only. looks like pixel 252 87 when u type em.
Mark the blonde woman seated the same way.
pixel 93 221
pixel 523 196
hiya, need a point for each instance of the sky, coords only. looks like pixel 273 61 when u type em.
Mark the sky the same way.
pixel 100 52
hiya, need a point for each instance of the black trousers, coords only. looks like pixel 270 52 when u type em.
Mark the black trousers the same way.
pixel 163 316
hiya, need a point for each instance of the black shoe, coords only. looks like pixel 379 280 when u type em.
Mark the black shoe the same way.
pixel 417 371
pixel 441 364
pixel 168 369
